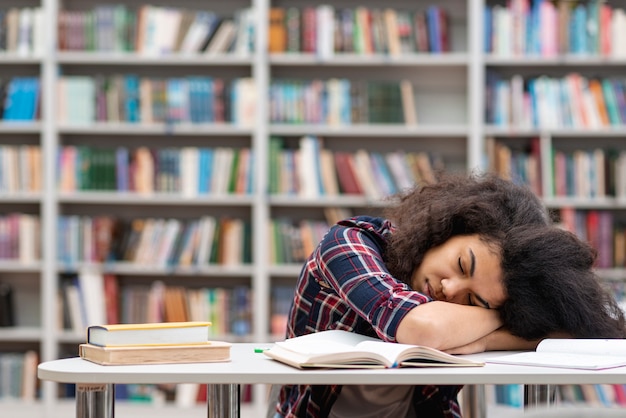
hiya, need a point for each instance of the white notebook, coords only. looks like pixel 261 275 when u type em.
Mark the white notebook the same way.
pixel 591 354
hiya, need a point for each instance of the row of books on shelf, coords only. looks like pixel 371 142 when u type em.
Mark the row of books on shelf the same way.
pixel 573 101
pixel 162 242
pixel 321 29
pixel 156 30
pixel 291 242
pixel 22 31
pixel 547 102
pixel 134 99
pixel 341 101
pixel 92 298
pixel 602 230
pixel 281 298
pixel 200 99
pixel 549 28
pixel 565 396
pixel 193 171
pixel 19 98
pixel 520 164
pixel 189 171
pixel 95 298
pixel 154 242
pixel 183 395
pixel 593 173
pixel 20 237
pixel 607 395
pixel 312 170
pixel 18 375
pixel 20 168
pixel 326 29
pixel 580 173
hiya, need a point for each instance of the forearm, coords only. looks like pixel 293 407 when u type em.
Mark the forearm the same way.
pixel 444 325
pixel 500 339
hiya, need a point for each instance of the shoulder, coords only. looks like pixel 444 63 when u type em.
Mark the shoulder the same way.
pixel 358 234
pixel 370 224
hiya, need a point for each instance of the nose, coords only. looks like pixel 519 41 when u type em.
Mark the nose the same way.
pixel 453 289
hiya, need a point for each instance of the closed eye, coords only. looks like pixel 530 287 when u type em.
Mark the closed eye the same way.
pixel 481 302
pixel 461 266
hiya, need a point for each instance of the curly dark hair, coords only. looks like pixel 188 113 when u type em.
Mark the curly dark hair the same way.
pixel 548 273
pixel 551 287
pixel 456 204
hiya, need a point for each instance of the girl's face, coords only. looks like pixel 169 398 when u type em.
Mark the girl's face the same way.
pixel 464 270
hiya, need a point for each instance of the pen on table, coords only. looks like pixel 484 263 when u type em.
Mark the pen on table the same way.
pixel 260 350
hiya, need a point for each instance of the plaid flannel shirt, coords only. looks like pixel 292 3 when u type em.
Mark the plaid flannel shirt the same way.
pixel 345 285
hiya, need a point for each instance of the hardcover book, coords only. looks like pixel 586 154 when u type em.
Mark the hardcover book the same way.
pixel 162 333
pixel 208 352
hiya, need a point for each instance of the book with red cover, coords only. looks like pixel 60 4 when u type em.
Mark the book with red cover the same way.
pixel 346 175
pixel 309 29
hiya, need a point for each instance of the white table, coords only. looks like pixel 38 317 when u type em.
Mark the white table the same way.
pixel 95 383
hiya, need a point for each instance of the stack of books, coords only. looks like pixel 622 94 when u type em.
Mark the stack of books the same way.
pixel 152 343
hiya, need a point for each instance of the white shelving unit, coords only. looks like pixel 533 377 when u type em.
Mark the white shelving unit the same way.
pixel 450 105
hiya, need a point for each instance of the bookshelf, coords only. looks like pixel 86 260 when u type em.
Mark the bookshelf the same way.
pixel 448 105
pixel 558 57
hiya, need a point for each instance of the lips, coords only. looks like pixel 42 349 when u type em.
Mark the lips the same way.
pixel 428 291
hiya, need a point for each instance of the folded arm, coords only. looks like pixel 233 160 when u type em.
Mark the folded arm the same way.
pixel 445 326
pixel 501 339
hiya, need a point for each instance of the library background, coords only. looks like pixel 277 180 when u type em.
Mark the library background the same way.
pixel 178 161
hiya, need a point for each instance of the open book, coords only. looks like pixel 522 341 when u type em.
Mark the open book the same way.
pixel 344 349
pixel 592 354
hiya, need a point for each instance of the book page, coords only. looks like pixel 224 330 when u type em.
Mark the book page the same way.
pixel 560 360
pixel 390 351
pixel 598 346
pixel 316 347
pixel 325 342
pixel 407 354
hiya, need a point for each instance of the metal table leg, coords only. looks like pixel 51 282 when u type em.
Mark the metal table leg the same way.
pixel 474 401
pixel 223 401
pixel 95 400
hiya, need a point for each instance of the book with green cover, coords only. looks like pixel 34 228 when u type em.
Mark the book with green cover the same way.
pixel 384 102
